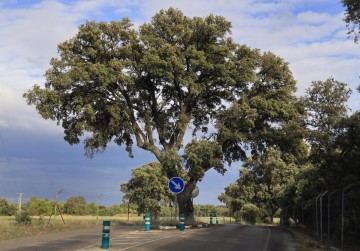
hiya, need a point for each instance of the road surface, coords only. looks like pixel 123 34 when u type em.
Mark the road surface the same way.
pixel 220 237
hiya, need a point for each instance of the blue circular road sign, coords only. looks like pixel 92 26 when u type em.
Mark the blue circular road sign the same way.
pixel 176 185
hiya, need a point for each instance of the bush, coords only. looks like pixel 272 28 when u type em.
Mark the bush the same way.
pixel 23 218
pixel 249 213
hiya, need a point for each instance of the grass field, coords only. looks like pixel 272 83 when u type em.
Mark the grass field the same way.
pixel 9 229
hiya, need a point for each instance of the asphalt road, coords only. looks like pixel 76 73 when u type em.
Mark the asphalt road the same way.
pixel 221 237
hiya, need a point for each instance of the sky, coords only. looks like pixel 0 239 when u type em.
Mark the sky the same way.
pixel 35 159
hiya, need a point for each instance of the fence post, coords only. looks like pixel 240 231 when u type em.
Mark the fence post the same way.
pixel 182 222
pixel 317 215
pixel 321 218
pixel 342 214
pixel 105 242
pixel 302 213
pixel 329 205
pixel 147 222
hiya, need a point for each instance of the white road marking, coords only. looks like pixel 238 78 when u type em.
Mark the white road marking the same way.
pixel 146 242
pixel 98 243
pixel 267 240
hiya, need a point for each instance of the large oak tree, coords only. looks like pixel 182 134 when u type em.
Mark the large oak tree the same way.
pixel 150 85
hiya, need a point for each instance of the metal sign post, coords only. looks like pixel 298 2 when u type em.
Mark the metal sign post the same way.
pixel 176 186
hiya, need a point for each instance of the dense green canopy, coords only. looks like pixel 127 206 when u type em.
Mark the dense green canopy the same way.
pixel 147 189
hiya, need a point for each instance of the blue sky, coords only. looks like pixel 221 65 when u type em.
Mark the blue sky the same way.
pixel 34 158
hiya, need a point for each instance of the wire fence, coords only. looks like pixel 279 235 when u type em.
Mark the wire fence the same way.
pixel 334 216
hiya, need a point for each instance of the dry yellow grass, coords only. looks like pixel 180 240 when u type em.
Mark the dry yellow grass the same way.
pixel 9 229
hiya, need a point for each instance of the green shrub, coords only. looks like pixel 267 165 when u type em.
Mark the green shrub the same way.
pixel 23 218
pixel 249 213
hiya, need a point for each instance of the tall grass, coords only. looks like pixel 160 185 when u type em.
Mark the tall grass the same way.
pixel 10 229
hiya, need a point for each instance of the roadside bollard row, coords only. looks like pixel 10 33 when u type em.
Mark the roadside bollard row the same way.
pixel 105 242
pixel 148 222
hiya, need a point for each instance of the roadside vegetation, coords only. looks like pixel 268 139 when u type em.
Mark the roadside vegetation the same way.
pixel 38 216
pixel 10 228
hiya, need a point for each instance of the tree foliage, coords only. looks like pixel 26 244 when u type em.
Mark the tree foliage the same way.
pixel 6 208
pixel 38 206
pixel 147 189
pixel 325 102
pixel 263 182
pixel 148 86
pixel 249 213
pixel 76 205
pixel 349 143
pixel 352 17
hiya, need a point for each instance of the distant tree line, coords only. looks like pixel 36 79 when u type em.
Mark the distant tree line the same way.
pixel 77 205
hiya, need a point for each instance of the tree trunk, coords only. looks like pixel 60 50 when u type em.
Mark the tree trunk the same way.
pixel 184 200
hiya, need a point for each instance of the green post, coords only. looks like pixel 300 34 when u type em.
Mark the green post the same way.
pixel 105 242
pixel 217 218
pixel 211 219
pixel 182 222
pixel 147 222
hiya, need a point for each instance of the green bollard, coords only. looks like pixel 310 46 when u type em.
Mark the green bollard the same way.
pixel 147 222
pixel 182 222
pixel 211 219
pixel 217 219
pixel 105 242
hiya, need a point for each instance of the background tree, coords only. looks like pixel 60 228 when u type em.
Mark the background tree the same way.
pixel 118 209
pixel 6 208
pixel 37 206
pixel 349 143
pixel 76 205
pixel 352 17
pixel 206 210
pixel 249 213
pixel 263 182
pixel 233 198
pixel 92 208
pixel 148 86
pixel 147 188
pixel 326 108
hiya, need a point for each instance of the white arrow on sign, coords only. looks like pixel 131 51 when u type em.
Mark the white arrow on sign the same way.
pixel 177 185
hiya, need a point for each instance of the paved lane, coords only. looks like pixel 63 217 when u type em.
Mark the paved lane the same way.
pixel 221 237
pixel 64 241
